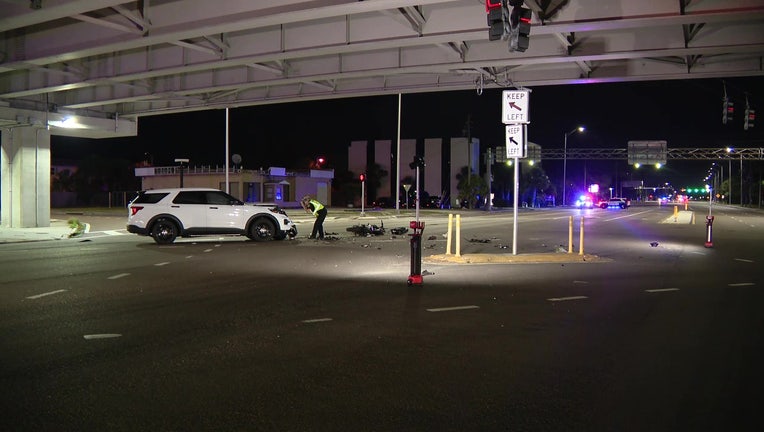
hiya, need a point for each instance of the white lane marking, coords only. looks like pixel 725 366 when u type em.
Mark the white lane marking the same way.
pixel 455 308
pixel 317 320
pixel 657 290
pixel 117 276
pixel 190 256
pixel 741 284
pixel 45 294
pixel 218 245
pixel 556 299
pixel 628 215
pixel 162 264
pixel 208 250
pixel 113 232
pixel 580 282
pixel 102 336
pixel 743 260
pixel 699 253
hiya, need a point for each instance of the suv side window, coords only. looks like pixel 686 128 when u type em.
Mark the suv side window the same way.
pixel 149 198
pixel 221 198
pixel 190 197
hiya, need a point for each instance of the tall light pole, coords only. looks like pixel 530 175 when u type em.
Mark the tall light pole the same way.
pixel 565 161
pixel 729 174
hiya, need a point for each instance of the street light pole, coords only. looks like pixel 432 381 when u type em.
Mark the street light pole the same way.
pixel 565 161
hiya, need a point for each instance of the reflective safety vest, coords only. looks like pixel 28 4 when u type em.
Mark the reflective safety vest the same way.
pixel 316 206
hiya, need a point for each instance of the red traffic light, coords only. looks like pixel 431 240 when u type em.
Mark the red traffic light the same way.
pixel 492 4
pixel 362 177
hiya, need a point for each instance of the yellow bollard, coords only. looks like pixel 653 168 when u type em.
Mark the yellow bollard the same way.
pixel 448 236
pixel 458 235
pixel 676 212
pixel 581 238
pixel 570 235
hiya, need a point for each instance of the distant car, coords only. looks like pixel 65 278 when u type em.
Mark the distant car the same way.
pixel 165 214
pixel 621 203
pixel 383 202
pixel 585 202
pixel 435 202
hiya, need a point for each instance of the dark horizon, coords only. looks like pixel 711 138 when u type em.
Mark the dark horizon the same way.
pixel 685 113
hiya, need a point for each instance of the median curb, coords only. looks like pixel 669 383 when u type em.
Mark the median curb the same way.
pixel 537 258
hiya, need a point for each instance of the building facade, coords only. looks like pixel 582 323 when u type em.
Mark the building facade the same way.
pixel 274 185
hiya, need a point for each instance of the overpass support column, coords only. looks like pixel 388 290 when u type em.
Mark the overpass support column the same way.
pixel 25 177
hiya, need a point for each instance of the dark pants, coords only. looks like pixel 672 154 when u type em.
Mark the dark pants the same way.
pixel 318 225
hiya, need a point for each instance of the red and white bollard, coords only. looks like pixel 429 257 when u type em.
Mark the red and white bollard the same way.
pixel 709 230
pixel 415 278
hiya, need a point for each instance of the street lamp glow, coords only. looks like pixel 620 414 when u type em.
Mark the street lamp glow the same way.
pixel 658 165
pixel 565 160
pixel 637 165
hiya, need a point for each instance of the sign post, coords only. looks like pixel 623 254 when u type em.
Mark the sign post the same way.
pixel 515 114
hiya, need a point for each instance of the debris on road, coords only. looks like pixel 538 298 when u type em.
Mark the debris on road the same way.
pixel 367 230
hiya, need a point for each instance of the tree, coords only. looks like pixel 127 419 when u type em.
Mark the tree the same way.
pixel 471 188
pixel 533 183
pixel 374 176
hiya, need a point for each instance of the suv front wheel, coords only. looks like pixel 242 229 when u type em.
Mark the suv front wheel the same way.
pixel 262 230
pixel 164 231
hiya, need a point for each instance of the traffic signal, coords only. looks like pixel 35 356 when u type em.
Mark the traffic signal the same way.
pixel 495 19
pixel 362 177
pixel 750 116
pixel 729 111
pixel 519 28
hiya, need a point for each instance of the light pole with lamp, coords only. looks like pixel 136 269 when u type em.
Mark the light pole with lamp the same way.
pixel 181 161
pixel 565 161
pixel 729 174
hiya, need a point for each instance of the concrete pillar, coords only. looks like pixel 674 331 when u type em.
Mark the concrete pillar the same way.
pixel 25 177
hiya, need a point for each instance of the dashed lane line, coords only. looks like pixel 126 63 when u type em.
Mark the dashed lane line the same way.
pixel 118 276
pixel 744 260
pixel 46 294
pixel 559 299
pixel 102 336
pixel 160 264
pixel 741 284
pixel 316 320
pixel 659 290
pixel 455 308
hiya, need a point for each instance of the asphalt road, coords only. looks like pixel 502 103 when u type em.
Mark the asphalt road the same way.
pixel 112 332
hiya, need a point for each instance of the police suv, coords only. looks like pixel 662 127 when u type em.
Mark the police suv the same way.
pixel 165 214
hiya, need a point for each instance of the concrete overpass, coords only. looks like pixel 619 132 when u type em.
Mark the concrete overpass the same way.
pixel 103 64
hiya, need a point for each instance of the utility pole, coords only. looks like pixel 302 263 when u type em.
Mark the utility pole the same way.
pixel 468 131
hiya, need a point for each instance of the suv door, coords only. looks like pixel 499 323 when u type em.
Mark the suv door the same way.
pixel 191 208
pixel 224 212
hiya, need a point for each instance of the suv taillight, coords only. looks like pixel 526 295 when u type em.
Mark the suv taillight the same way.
pixel 135 209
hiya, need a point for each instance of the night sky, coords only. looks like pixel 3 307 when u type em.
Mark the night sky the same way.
pixel 686 113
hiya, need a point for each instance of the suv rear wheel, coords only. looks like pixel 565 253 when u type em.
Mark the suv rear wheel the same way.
pixel 164 231
pixel 262 230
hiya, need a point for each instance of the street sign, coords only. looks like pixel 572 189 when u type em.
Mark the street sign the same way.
pixel 515 141
pixel 647 152
pixel 514 107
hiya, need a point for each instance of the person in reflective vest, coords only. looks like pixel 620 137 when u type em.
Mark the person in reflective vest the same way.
pixel 319 211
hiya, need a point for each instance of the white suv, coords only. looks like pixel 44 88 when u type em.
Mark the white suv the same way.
pixel 165 214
